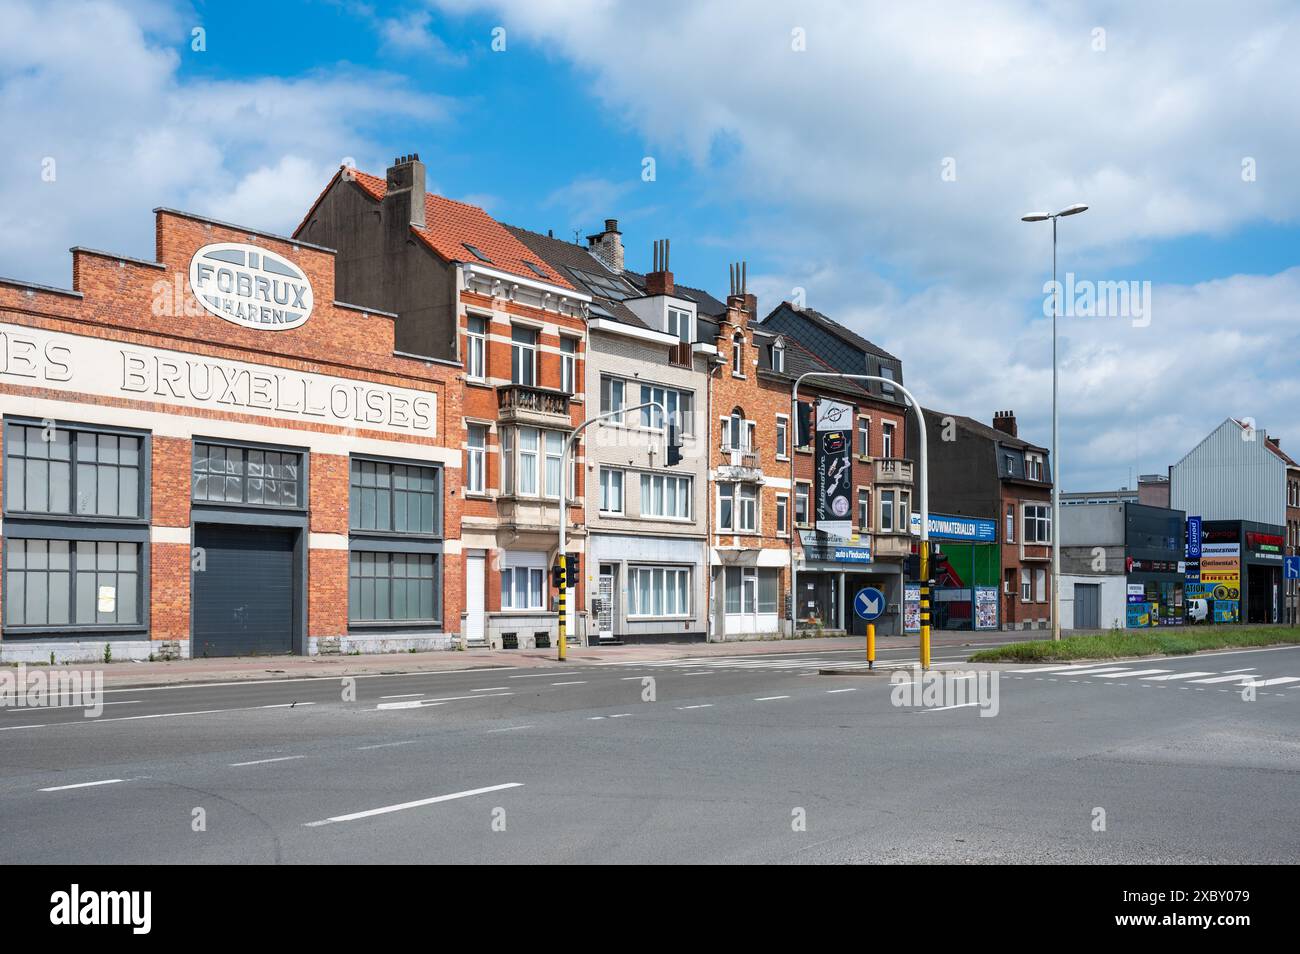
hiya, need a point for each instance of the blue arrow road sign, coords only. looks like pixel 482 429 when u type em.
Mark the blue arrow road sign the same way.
pixel 869 604
pixel 1291 568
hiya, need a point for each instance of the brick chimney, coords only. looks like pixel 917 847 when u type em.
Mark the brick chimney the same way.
pixel 404 198
pixel 1005 421
pixel 608 246
pixel 660 280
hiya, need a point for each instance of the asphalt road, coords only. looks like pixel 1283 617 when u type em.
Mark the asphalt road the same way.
pixel 736 759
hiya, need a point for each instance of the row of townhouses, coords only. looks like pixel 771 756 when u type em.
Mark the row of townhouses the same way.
pixel 353 439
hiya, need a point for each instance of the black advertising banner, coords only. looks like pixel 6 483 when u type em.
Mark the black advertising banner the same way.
pixel 834 463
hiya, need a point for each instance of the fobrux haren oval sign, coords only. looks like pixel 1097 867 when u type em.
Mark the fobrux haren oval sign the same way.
pixel 250 286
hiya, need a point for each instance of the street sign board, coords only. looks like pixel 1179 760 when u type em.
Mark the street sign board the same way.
pixel 869 604
pixel 1291 568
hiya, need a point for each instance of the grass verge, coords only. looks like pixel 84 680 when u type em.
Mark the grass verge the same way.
pixel 1174 641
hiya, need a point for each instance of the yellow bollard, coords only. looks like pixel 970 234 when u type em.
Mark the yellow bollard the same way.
pixel 871 645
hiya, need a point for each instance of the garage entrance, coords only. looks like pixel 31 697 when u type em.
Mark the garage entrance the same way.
pixel 244 597
pixel 1087 606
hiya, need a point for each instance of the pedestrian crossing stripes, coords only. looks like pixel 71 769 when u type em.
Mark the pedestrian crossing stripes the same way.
pixel 1232 678
pixel 809 665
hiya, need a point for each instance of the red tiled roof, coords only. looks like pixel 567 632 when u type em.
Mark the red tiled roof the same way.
pixel 450 225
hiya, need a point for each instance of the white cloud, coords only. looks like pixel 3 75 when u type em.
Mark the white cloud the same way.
pixel 839 150
pixel 85 85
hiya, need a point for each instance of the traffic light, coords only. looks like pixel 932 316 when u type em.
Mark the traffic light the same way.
pixel 572 570
pixel 674 445
pixel 556 579
pixel 804 424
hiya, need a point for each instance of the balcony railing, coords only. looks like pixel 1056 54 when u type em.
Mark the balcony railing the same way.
pixel 741 455
pixel 515 398
pixel 680 355
pixel 893 470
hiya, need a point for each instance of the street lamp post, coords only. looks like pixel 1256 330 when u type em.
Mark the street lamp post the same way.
pixel 562 647
pixel 1056 437
pixel 925 505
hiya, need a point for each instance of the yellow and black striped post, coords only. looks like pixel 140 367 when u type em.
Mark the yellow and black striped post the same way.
pixel 564 609
pixel 871 645
pixel 925 604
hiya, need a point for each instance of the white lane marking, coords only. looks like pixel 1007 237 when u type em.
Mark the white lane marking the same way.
pixel 286 705
pixel 575 682
pixel 770 698
pixel 1131 673
pixel 422 703
pixel 1177 675
pixel 699 672
pixel 491 689
pixel 629 678
pixel 386 745
pixel 1281 680
pixel 1228 672
pixel 74 705
pixel 594 718
pixel 703 705
pixel 64 788
pixel 833 691
pixel 513 728
pixel 272 682
pixel 1238 678
pixel 404 695
pixel 620 715
pixel 1094 670
pixel 282 758
pixel 962 705
pixel 387 809
pixel 546 675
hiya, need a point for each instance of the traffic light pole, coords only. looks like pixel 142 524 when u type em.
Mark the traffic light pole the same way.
pixel 925 504
pixel 564 503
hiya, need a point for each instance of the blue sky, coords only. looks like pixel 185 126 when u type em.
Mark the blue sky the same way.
pixel 811 141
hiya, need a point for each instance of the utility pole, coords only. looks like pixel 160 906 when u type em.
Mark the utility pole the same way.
pixel 673 446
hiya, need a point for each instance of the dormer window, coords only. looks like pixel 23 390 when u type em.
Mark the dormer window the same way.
pixel 778 357
pixel 679 325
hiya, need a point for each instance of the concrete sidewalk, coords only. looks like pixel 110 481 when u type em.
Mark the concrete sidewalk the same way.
pixel 253 668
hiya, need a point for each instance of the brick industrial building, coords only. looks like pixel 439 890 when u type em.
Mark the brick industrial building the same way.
pixel 210 453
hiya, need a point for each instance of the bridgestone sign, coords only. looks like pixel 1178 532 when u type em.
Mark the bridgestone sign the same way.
pixel 251 286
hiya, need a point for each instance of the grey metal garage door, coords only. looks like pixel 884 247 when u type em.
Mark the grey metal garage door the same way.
pixel 1087 606
pixel 243 596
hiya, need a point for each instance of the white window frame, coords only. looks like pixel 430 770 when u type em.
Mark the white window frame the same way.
pixel 1040 585
pixel 611 481
pixel 521 352
pixel 660 574
pixel 737 355
pixel 681 493
pixel 613 396
pixel 863 436
pixel 887 439
pixel 782 514
pixel 685 324
pixel 778 357
pixel 476 347
pixel 531 574
pixel 864 508
pixel 475 459
pixel 803 489
pixel 1010 521
pixel 1042 517
pixel 671 399
pixel 887 504
pixel 568 364
pixel 783 437
pixel 1025 592
pixel 552 450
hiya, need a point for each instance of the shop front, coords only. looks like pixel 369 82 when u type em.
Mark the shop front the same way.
pixel 1238 577
pixel 965 568
pixel 833 572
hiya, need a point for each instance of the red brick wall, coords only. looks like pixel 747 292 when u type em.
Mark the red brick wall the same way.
pixel 139 304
